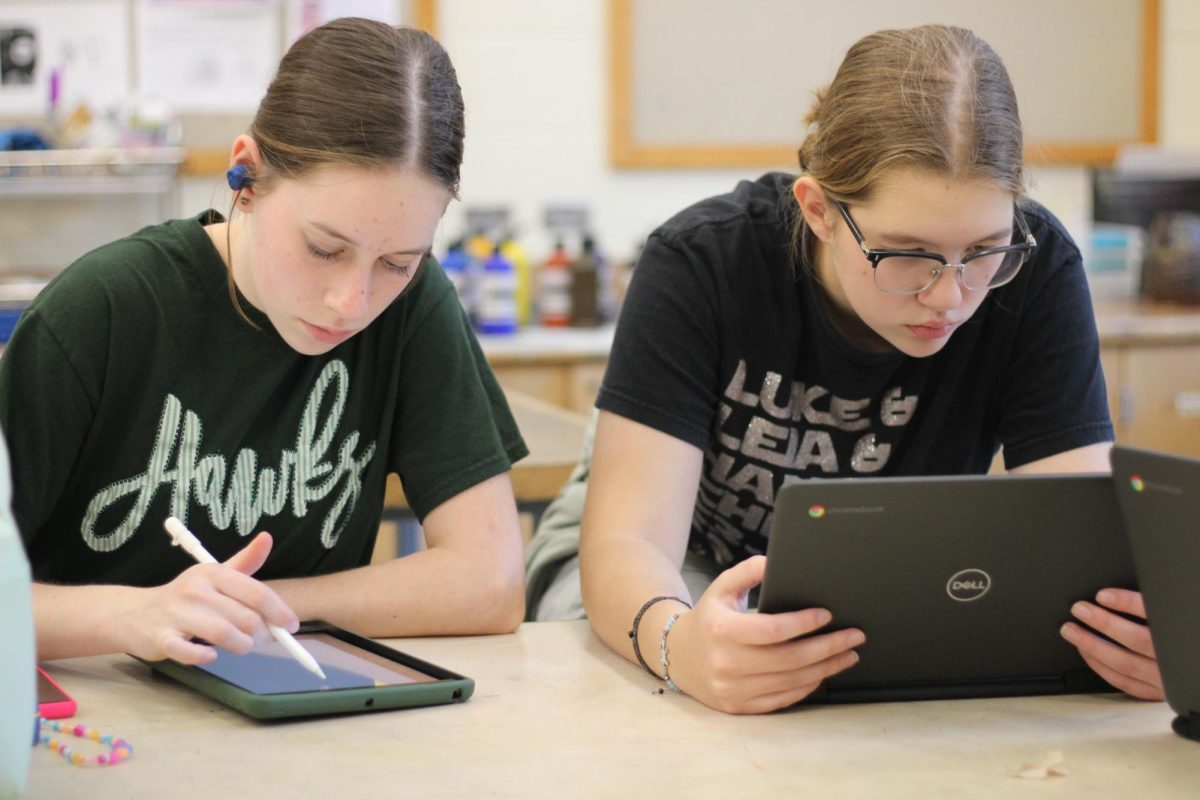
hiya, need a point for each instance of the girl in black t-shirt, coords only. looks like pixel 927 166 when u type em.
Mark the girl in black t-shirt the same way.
pixel 750 353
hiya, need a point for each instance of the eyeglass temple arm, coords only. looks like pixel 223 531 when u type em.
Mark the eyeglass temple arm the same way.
pixel 871 255
pixel 1029 238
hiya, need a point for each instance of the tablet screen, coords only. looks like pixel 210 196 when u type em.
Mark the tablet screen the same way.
pixel 269 669
pixel 48 692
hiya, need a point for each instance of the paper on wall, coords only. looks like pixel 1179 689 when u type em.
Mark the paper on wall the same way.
pixel 304 15
pixel 85 43
pixel 208 57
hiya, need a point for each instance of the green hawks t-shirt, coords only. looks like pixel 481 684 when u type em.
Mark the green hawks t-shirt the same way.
pixel 132 390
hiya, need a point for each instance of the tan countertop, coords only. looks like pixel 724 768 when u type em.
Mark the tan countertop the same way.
pixel 537 345
pixel 1132 322
pixel 556 714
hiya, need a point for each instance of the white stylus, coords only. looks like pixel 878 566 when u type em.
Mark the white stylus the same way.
pixel 182 537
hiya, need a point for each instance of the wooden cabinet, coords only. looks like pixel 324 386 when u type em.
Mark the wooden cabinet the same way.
pixel 569 384
pixel 1155 394
pixel 1151 358
pixel 560 366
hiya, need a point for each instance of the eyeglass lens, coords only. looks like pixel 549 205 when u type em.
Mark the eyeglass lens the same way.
pixel 913 274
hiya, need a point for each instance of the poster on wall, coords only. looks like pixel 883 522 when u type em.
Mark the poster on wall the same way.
pixel 207 56
pixel 55 56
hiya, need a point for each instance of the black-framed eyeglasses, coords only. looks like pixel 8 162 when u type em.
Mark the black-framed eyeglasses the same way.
pixel 914 271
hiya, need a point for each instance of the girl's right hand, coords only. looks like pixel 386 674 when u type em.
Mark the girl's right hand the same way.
pixel 749 663
pixel 219 603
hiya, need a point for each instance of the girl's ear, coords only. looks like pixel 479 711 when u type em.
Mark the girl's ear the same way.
pixel 819 212
pixel 245 161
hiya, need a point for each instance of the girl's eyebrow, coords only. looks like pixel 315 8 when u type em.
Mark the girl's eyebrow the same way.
pixel 908 238
pixel 331 232
pixel 419 251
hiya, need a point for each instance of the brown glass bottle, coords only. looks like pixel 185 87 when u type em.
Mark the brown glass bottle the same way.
pixel 585 287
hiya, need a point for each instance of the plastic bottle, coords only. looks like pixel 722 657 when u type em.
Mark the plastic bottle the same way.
pixel 54 110
pixel 478 248
pixel 456 264
pixel 498 295
pixel 554 289
pixel 585 287
pixel 513 251
pixel 606 304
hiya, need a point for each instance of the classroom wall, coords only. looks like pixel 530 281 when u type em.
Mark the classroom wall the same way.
pixel 535 78
pixel 535 74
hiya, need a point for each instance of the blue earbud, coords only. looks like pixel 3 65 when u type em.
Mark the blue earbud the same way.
pixel 239 177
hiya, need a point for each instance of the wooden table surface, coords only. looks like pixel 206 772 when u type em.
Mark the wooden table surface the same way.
pixel 556 714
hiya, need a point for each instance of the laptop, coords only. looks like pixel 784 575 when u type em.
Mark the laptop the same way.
pixel 960 583
pixel 1159 497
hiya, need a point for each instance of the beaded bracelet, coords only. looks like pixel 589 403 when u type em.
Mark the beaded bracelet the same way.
pixel 637 620
pixel 119 749
pixel 664 656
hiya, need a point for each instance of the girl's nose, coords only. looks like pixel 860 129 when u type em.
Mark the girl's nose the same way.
pixel 946 291
pixel 348 294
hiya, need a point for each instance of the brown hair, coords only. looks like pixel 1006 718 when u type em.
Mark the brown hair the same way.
pixel 933 97
pixel 360 93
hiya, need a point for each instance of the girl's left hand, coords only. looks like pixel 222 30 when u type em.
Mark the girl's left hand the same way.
pixel 1131 664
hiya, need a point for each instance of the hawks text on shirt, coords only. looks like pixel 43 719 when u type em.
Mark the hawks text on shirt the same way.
pixel 305 474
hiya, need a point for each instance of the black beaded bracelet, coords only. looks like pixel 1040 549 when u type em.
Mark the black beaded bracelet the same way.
pixel 637 620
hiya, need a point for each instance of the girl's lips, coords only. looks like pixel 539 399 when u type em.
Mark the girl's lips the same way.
pixel 932 331
pixel 326 335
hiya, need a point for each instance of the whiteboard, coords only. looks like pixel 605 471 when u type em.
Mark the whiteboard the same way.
pixel 727 82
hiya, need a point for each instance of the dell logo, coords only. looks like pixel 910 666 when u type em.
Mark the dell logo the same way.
pixel 968 584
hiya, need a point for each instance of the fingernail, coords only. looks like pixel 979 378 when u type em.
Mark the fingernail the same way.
pixel 1067 631
pixel 823 617
pixel 1082 611
pixel 1105 597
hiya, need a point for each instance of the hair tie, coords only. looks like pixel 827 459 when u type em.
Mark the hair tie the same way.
pixel 119 749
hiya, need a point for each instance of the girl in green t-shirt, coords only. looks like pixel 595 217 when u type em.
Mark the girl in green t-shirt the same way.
pixel 270 372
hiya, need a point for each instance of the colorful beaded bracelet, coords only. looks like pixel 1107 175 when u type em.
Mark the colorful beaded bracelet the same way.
pixel 664 655
pixel 119 749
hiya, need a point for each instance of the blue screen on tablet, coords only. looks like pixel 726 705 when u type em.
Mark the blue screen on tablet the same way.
pixel 269 669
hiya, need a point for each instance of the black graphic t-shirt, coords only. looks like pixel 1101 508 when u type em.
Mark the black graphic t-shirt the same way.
pixel 724 343
pixel 132 390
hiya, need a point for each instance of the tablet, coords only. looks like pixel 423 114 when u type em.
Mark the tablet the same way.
pixel 361 675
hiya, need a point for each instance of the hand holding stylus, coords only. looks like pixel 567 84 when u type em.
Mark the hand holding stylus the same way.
pixel 182 537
